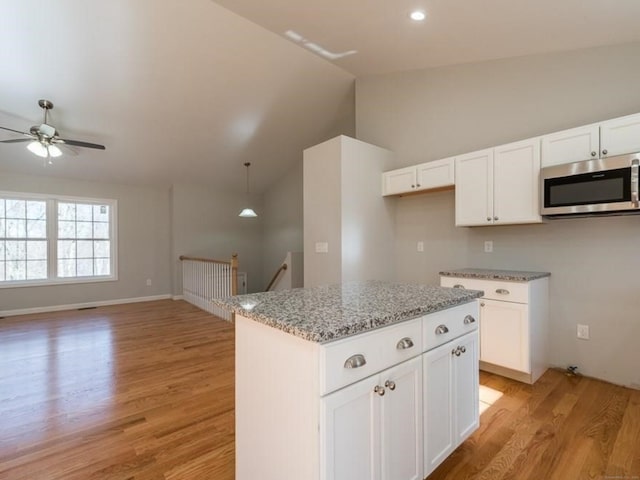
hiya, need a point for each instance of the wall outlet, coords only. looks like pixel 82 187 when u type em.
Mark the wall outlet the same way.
pixel 322 247
pixel 148 282
pixel 488 246
pixel 421 246
pixel 583 332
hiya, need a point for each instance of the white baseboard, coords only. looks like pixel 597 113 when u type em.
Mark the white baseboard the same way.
pixel 178 297
pixel 74 306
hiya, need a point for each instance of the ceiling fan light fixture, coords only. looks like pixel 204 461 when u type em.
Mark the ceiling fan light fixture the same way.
pixel 37 148
pixel 54 151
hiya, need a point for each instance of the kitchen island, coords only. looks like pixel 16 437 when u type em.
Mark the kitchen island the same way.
pixel 355 381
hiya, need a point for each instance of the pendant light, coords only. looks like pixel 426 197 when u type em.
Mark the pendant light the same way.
pixel 247 212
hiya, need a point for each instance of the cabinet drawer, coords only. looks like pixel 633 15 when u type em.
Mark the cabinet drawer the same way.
pixel 440 327
pixel 379 349
pixel 493 289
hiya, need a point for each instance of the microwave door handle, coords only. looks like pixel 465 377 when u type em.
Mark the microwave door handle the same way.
pixel 635 195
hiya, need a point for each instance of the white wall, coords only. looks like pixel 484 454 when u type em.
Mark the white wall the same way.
pixel 435 113
pixel 205 223
pixel 282 222
pixel 143 244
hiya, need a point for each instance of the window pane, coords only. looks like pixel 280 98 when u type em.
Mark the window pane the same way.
pixel 66 268
pixel 37 210
pixel 37 250
pixel 2 250
pixel 16 250
pixel 16 208
pixel 85 249
pixel 66 249
pixel 2 226
pixel 102 266
pixel 100 230
pixel 66 211
pixel 101 213
pixel 36 270
pixel 85 267
pixel 84 212
pixel 1 207
pixel 16 228
pixel 36 229
pixel 84 230
pixel 16 270
pixel 102 248
pixel 1 270
pixel 66 229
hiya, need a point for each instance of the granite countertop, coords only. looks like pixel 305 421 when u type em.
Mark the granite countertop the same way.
pixel 328 313
pixel 487 274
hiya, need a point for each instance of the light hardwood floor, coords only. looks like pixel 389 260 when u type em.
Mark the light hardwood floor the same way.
pixel 146 391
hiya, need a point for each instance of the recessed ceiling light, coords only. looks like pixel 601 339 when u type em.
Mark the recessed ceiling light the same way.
pixel 418 15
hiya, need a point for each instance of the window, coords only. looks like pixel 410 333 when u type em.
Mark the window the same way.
pixel 45 239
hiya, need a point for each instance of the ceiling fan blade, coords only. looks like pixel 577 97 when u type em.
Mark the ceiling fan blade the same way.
pixel 17 140
pixel 15 131
pixel 77 143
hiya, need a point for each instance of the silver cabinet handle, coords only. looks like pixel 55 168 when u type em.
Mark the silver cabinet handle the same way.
pixel 355 361
pixel 482 304
pixel 469 319
pixel 604 152
pixel 456 351
pixel 404 343
pixel 459 285
pixel 417 185
pixel 635 195
pixel 379 390
pixel 441 329
pixel 488 219
pixel 593 154
pixel 413 186
pixel 390 385
pixel 463 349
pixel 502 291
pixel 496 218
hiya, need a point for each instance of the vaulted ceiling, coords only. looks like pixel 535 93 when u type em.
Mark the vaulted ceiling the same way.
pixel 186 92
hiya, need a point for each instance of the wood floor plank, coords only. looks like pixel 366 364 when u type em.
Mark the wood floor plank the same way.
pixel 146 392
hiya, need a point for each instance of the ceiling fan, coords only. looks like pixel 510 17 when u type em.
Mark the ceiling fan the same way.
pixel 45 139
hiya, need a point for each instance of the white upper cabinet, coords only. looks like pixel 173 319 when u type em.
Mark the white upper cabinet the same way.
pixel 426 176
pixel 499 186
pixel 516 173
pixel 568 146
pixel 474 188
pixel 605 139
pixel 399 181
pixel 620 136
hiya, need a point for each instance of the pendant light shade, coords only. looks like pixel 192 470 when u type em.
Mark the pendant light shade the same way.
pixel 248 212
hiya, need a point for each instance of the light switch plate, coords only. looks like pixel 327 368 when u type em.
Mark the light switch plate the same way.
pixel 421 246
pixel 322 247
pixel 488 246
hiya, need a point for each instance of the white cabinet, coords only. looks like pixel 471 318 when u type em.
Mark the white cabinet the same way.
pixel 499 186
pixel 513 325
pixel 605 139
pixel 451 384
pixel 426 176
pixel 373 429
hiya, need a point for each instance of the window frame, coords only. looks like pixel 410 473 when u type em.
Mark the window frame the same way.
pixel 52 239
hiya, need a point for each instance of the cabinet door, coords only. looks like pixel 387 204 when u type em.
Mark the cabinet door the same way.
pixel 516 174
pixel 349 446
pixel 466 387
pixel 574 145
pixel 401 420
pixel 620 135
pixel 436 174
pixel 438 408
pixel 474 188
pixel 504 334
pixel 399 181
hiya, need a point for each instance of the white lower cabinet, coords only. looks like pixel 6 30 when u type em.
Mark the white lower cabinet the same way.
pixel 373 429
pixel 451 384
pixel 504 334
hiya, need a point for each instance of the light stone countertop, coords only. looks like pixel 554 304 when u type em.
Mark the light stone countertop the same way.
pixel 328 313
pixel 488 274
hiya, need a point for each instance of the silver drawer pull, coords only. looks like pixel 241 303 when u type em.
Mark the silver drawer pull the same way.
pixel 379 390
pixel 459 285
pixel 469 319
pixel 391 385
pixel 404 343
pixel 502 291
pixel 355 361
pixel 440 329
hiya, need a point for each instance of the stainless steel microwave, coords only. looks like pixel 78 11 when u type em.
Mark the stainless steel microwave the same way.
pixel 607 186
